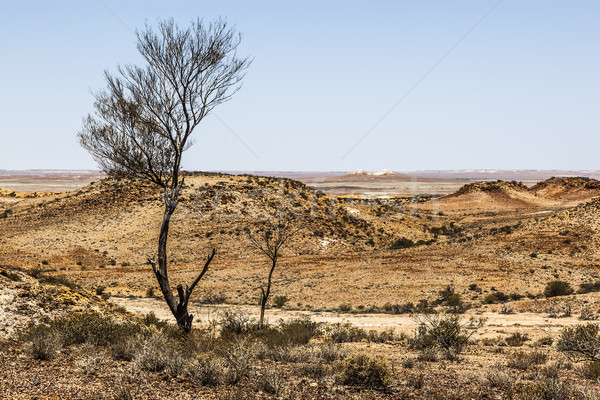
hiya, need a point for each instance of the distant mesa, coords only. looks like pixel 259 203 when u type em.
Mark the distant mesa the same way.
pixel 383 172
pixel 360 175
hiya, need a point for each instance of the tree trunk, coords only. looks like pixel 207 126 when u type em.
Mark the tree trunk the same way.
pixel 179 311
pixel 265 294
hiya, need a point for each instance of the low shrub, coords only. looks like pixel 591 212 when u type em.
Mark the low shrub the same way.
pixel 280 301
pixel 523 361
pixel 580 342
pixel 544 389
pixel 58 280
pixel 271 381
pixel 87 327
pixel 558 288
pixel 151 319
pixel 517 339
pixel 589 370
pixel 495 297
pixel 444 331
pixel 315 370
pixel 157 353
pixel 235 323
pixel 206 370
pixel 405 308
pixel 238 356
pixel 345 332
pixel 589 287
pixel 497 377
pixel 300 330
pixel 384 336
pixel 364 370
pixel 13 276
pixel 44 342
pixel 211 297
pixel 587 314
pixel 344 307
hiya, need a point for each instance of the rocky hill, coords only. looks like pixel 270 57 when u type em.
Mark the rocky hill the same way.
pixel 118 220
pixel 491 196
pixel 578 188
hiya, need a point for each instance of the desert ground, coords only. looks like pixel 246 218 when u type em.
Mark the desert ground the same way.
pixel 375 262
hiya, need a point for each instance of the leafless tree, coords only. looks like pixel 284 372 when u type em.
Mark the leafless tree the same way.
pixel 272 234
pixel 145 117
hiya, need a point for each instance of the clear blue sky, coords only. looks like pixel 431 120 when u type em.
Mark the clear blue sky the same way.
pixel 522 90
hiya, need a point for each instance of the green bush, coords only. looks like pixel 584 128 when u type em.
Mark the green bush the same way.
pixel 384 336
pixel 151 319
pixel 558 288
pixel 300 330
pixel 345 307
pixel 364 370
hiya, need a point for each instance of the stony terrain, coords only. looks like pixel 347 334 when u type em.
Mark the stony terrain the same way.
pixel 371 261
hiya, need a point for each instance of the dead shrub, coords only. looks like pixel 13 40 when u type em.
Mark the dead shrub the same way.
pixel 445 332
pixel 587 314
pixel 207 370
pixel 238 356
pixel 345 332
pixel 315 370
pixel 589 370
pixel 523 361
pixel 45 342
pixel 158 353
pixel 497 377
pixel 271 381
pixel 517 339
pixel 580 342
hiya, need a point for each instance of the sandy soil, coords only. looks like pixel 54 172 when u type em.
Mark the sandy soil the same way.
pixel 534 324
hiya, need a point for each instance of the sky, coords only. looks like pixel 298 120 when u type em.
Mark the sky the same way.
pixel 333 86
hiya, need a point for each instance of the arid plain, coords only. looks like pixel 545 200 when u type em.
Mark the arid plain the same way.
pixel 373 254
